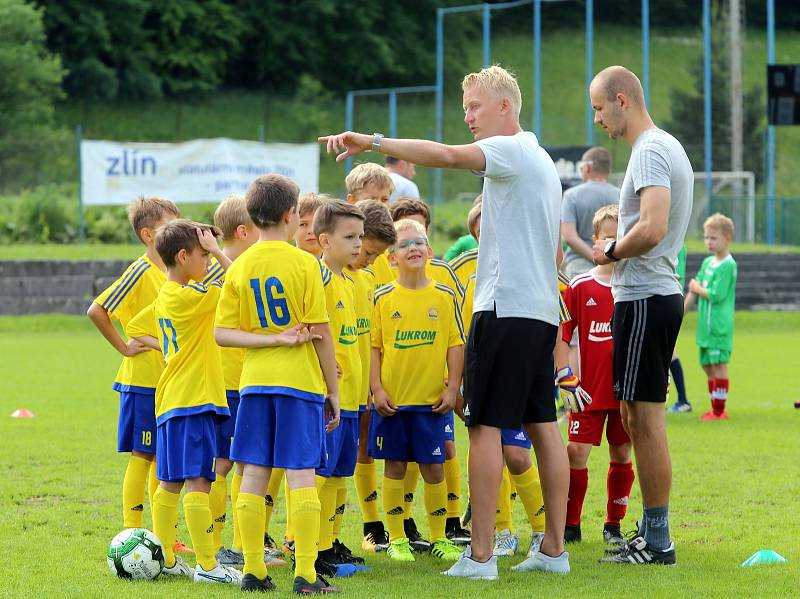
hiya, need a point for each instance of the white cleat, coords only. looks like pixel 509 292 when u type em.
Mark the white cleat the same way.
pixel 536 543
pixel 505 543
pixel 178 569
pixel 466 567
pixel 219 574
pixel 544 563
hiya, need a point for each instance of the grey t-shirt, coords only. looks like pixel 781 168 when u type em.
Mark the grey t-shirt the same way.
pixel 579 205
pixel 517 274
pixel 403 188
pixel 657 159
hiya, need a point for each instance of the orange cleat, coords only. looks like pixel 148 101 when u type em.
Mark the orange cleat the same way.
pixel 710 415
pixel 179 547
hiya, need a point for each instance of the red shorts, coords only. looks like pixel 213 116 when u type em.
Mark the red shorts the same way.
pixel 587 427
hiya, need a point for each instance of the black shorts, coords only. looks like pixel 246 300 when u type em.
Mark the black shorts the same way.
pixel 645 332
pixel 508 376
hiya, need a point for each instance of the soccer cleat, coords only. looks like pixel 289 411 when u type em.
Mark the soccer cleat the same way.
pixel 536 543
pixel 219 574
pixel 230 557
pixel 446 550
pixel 343 552
pixel 572 534
pixel 179 547
pixel 466 567
pixel 797 405
pixel 252 584
pixel 455 533
pixel 288 545
pixel 320 587
pixel 375 537
pixel 680 407
pixel 612 535
pixel 178 569
pixel 544 563
pixel 271 547
pixel 638 553
pixel 270 561
pixel 415 539
pixel 505 543
pixel 710 415
pixel 466 518
pixel 629 536
pixel 400 551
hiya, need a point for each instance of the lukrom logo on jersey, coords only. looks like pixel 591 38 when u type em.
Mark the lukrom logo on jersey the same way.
pixel 348 335
pixel 363 325
pixel 600 328
pixel 409 339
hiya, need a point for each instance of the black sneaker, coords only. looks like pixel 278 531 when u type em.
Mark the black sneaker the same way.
pixel 572 534
pixel 375 537
pixel 343 552
pixel 455 533
pixel 466 518
pixel 320 587
pixel 324 567
pixel 638 553
pixel 612 535
pixel 252 584
pixel 414 538
pixel 628 537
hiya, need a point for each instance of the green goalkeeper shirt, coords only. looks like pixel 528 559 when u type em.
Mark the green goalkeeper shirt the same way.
pixel 715 313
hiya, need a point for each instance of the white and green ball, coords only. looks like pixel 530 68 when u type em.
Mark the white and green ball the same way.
pixel 135 553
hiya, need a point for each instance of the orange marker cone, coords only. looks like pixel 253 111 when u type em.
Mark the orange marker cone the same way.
pixel 22 413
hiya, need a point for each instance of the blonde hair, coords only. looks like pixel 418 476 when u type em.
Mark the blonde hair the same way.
pixel 604 213
pixel 310 202
pixel 231 213
pixel 368 173
pixel 145 213
pixel 406 224
pixel 721 223
pixel 497 81
pixel 472 219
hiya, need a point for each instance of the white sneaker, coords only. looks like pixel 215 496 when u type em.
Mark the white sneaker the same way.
pixel 218 574
pixel 179 569
pixel 544 563
pixel 536 543
pixel 466 567
pixel 505 543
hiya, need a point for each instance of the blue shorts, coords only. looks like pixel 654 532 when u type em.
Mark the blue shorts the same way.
pixel 136 430
pixel 342 447
pixel 408 436
pixel 449 427
pixel 516 437
pixel 279 431
pixel 187 447
pixel 226 426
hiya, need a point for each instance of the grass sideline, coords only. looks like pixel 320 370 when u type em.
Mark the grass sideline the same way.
pixel 734 488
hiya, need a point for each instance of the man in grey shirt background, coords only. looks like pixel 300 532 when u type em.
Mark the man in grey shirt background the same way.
pixel 401 172
pixel 655 206
pixel 578 207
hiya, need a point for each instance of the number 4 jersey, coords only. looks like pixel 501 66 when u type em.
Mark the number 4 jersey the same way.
pixel 271 287
pixel 182 319
pixel 591 306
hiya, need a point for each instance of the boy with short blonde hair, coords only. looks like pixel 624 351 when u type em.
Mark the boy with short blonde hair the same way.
pixel 368 181
pixel 307 206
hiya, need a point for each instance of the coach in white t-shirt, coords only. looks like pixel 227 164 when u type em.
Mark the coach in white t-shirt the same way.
pixel 401 172
pixel 508 381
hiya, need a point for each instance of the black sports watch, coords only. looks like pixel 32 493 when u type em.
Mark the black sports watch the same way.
pixel 609 251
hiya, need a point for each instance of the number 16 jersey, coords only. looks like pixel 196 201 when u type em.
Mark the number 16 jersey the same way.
pixel 271 287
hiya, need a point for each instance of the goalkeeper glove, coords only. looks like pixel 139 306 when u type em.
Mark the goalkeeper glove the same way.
pixel 573 396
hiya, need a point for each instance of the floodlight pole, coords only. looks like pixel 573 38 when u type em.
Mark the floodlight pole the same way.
pixel 589 70
pixel 770 131
pixel 81 218
pixel 646 51
pixel 537 69
pixel 348 126
pixel 707 101
pixel 487 34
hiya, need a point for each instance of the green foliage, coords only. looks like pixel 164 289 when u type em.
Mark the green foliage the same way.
pixel 29 85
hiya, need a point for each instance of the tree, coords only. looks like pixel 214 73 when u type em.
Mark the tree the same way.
pixel 29 85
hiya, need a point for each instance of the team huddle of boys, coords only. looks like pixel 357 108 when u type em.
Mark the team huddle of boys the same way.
pixel 301 362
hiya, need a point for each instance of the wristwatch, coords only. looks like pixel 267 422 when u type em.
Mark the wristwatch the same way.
pixel 609 251
pixel 376 141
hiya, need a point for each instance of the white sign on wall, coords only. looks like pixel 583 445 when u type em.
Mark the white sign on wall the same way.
pixel 193 171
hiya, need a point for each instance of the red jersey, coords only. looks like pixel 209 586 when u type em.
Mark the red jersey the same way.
pixel 591 306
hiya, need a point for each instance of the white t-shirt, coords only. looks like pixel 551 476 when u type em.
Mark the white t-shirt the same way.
pixel 519 230
pixel 403 188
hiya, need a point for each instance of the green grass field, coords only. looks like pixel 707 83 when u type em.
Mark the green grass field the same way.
pixel 735 485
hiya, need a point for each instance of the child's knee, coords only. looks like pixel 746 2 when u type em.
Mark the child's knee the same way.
pixel 432 474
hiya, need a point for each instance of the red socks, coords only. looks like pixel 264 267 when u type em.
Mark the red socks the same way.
pixel 578 481
pixel 618 485
pixel 718 390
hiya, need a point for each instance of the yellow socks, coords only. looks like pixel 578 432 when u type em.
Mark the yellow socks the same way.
pixel 197 512
pixel 305 518
pixel 503 518
pixel 530 492
pixel 326 491
pixel 410 486
pixel 436 506
pixel 341 498
pixel 236 484
pixel 394 507
pixel 217 499
pixel 365 479
pixel 273 486
pixel 452 476
pixel 152 482
pixel 165 520
pixel 133 485
pixel 250 516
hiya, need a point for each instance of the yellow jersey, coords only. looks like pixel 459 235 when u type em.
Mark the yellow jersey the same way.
pixel 215 272
pixel 464 266
pixel 268 289
pixel 122 300
pixel 341 302
pixel 414 328
pixel 383 271
pixel 182 319
pixel 364 288
pixel 435 269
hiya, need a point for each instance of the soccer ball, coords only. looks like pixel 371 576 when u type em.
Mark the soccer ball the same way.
pixel 135 553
